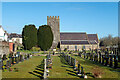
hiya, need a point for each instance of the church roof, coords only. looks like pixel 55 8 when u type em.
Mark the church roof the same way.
pixel 74 42
pixel 78 38
pixel 92 37
pixel 73 36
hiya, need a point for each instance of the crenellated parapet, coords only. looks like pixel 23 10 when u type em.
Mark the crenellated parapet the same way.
pixel 52 17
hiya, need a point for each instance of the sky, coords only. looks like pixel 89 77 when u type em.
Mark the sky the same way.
pixel 89 17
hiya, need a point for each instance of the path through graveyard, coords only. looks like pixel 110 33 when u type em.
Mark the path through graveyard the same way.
pixel 61 69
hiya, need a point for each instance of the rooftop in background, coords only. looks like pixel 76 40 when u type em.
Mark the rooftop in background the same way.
pixel 14 35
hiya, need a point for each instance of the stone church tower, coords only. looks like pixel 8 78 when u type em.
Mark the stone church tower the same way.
pixel 53 22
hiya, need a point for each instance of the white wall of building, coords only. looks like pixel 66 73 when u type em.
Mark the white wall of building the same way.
pixel 18 40
pixel 3 35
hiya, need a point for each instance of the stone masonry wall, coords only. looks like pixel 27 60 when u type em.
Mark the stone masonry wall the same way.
pixel 53 22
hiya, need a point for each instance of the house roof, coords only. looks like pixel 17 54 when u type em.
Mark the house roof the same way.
pixel 14 35
pixel 3 30
pixel 78 38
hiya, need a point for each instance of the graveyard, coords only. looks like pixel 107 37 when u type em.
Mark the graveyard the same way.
pixel 64 64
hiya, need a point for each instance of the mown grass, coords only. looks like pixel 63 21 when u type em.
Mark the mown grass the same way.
pixel 107 72
pixel 31 68
pixel 61 69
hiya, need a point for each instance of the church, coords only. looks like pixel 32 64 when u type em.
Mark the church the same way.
pixel 71 40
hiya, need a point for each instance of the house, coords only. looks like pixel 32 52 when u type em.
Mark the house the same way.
pixel 3 34
pixel 16 38
pixel 78 41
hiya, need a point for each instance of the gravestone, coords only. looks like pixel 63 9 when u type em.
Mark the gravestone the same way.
pixel 12 60
pixel 20 57
pixel 71 61
pixel 90 57
pixel 82 72
pixel 84 55
pixel 79 54
pixel 7 64
pixel 79 69
pixel 75 64
pixel 106 58
pixel 53 53
pixel 118 57
pixel 111 61
pixel 99 57
pixel 15 59
pixel 103 59
pixel 115 61
pixel 23 57
pixel 93 57
pixel 87 56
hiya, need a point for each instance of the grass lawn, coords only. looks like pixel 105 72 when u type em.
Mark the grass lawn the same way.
pixel 31 68
pixel 61 69
pixel 89 66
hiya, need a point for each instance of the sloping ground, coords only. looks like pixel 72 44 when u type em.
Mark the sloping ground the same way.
pixel 90 66
pixel 61 69
pixel 31 68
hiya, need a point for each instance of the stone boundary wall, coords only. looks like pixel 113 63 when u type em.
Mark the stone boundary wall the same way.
pixel 4 48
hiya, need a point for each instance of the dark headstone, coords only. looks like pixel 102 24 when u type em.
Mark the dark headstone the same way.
pixel 82 72
pixel 106 58
pixel 111 61
pixel 103 59
pixel 99 57
pixel 13 60
pixel 115 61
pixel 71 61
pixel 84 55
pixel 78 68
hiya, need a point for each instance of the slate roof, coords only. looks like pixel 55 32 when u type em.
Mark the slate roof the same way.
pixel 93 38
pixel 73 36
pixel 78 38
pixel 74 42
pixel 14 35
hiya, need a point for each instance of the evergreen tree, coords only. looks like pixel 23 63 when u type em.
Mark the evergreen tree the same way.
pixel 29 35
pixel 45 37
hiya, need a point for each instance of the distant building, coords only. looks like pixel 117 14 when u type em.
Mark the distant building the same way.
pixel 3 34
pixel 16 38
pixel 78 41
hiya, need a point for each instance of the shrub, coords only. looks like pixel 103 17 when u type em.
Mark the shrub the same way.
pixel 35 49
